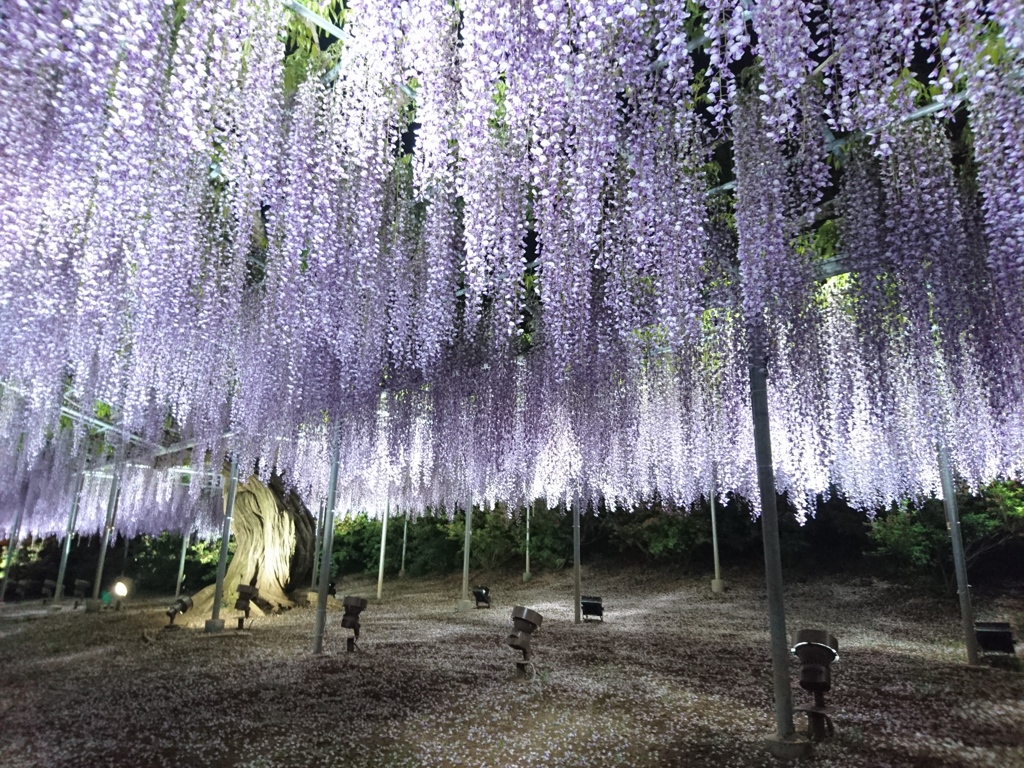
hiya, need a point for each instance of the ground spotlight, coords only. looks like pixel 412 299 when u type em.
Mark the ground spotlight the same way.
pixel 817 650
pixel 181 605
pixel 81 588
pixel 353 607
pixel 482 595
pixel 246 593
pixel 994 637
pixel 591 606
pixel 122 588
pixel 524 622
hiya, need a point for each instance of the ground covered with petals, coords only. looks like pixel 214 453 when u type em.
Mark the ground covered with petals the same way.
pixel 675 676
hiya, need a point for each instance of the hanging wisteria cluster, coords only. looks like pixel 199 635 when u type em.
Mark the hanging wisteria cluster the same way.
pixel 487 250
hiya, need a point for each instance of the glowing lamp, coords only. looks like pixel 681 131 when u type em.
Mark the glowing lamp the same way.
pixel 817 650
pixel 122 587
pixel 353 607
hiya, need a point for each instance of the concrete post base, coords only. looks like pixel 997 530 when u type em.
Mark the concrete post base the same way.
pixel 214 625
pixel 793 747
pixel 717 586
pixel 465 605
pixel 527 576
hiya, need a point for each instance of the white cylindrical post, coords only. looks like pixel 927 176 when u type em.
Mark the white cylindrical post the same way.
pixel 107 530
pixel 216 624
pixel 785 743
pixel 405 537
pixel 717 585
pixel 318 542
pixel 959 558
pixel 324 583
pixel 576 555
pixel 526 575
pixel 69 534
pixel 383 545
pixel 464 603
pixel 185 536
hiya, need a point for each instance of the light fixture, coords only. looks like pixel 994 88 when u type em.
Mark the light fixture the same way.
pixel 246 593
pixel 524 622
pixel 482 595
pixel 591 605
pixel 353 607
pixel 994 637
pixel 122 587
pixel 817 650
pixel 181 605
pixel 81 587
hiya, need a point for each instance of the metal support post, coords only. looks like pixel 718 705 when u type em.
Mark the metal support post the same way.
pixel 318 542
pixel 115 488
pixel 526 575
pixel 324 582
pixel 69 534
pixel 215 623
pixel 185 536
pixel 383 544
pixel 465 603
pixel 576 556
pixel 405 537
pixel 785 743
pixel 959 559
pixel 717 585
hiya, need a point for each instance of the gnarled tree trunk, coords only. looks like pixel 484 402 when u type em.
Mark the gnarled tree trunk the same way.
pixel 274 542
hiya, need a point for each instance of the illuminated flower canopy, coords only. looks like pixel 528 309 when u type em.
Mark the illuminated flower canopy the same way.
pixel 507 248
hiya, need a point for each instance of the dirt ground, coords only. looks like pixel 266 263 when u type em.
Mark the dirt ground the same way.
pixel 675 676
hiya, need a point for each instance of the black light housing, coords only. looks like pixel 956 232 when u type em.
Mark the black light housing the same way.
pixel 246 594
pixel 482 595
pixel 181 605
pixel 591 606
pixel 525 622
pixel 817 650
pixel 994 637
pixel 81 588
pixel 353 607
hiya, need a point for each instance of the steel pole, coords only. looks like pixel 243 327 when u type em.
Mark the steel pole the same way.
pixel 772 555
pixel 185 536
pixel 716 584
pixel 69 534
pixel 318 543
pixel 383 544
pixel 959 559
pixel 465 548
pixel 115 487
pixel 405 537
pixel 576 554
pixel 526 575
pixel 216 624
pixel 324 583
